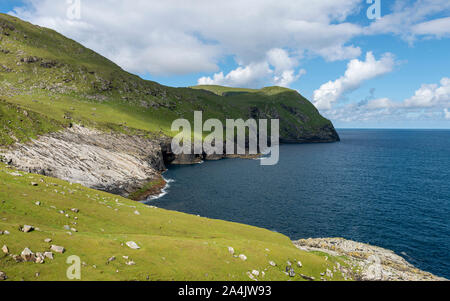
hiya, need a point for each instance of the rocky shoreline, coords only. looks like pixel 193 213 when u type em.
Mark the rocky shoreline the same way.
pixel 366 262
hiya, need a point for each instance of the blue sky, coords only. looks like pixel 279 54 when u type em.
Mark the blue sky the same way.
pixel 391 72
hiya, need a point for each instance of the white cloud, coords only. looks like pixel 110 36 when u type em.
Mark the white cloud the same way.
pixel 411 19
pixel 437 27
pixel 181 37
pixel 278 69
pixel 357 72
pixel 431 95
pixel 430 101
pixel 447 113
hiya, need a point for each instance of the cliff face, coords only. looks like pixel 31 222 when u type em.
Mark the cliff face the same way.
pixel 111 162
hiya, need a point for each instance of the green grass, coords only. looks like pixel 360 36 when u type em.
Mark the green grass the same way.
pixel 174 246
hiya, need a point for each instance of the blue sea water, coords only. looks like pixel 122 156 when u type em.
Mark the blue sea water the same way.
pixel 389 188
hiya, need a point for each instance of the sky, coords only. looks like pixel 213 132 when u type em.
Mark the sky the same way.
pixel 363 63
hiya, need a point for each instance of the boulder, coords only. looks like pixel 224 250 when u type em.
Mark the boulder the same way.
pixel 48 255
pixel 272 263
pixel 299 264
pixel 5 249
pixel 57 249
pixel 231 250
pixel 76 210
pixel 48 240
pixel 27 255
pixel 131 262
pixel 133 245
pixel 27 228
pixel 255 273
pixel 243 257
pixel 3 276
pixel 39 258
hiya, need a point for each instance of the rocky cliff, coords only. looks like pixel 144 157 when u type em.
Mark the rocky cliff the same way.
pixel 111 162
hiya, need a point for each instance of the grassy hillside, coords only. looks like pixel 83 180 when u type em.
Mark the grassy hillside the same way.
pixel 46 73
pixel 174 246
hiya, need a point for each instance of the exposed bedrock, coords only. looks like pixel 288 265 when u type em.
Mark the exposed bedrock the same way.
pixel 111 162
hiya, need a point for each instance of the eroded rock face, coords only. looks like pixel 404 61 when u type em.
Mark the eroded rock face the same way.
pixel 115 163
pixel 372 263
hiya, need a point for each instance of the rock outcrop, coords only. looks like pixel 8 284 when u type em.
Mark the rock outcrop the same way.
pixel 366 262
pixel 111 162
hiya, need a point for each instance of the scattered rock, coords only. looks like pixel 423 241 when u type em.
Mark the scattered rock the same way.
pixel 40 258
pixel 38 203
pixel 76 210
pixel 255 273
pixel 289 263
pixel 6 232
pixel 250 275
pixel 291 273
pixel 5 249
pixel 27 228
pixel 34 184
pixel 73 230
pixel 48 255
pixel 57 249
pixel 3 276
pixel 272 263
pixel 133 245
pixel 27 255
pixel 137 212
pixel 243 257
pixel 231 250
pixel 299 264
pixel 309 278
pixel 329 273
pixel 66 227
pixel 48 240
pixel 131 262
pixel 111 259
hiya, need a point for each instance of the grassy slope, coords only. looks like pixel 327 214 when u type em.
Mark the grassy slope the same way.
pixel 174 246
pixel 67 79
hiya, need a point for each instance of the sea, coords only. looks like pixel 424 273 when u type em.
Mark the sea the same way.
pixel 389 188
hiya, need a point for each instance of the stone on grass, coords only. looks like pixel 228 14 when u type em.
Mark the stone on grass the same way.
pixel 27 228
pixel 27 255
pixel 3 276
pixel 299 264
pixel 272 263
pixel 76 210
pixel 5 249
pixel 250 275
pixel 48 255
pixel 231 250
pixel 133 245
pixel 131 262
pixel 243 257
pixel 39 258
pixel 255 272
pixel 38 203
pixel 34 184
pixel 137 212
pixel 57 249
pixel 48 240
pixel 66 227
pixel 112 258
